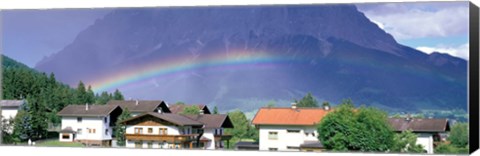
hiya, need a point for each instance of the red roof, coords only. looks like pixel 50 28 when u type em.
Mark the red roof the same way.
pixel 289 116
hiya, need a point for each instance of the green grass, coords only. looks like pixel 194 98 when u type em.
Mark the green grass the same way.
pixel 56 143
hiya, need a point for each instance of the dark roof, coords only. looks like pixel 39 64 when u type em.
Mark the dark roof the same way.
pixel 11 103
pixel 172 118
pixel 140 106
pixel 178 108
pixel 419 125
pixel 213 120
pixel 93 110
pixel 311 144
pixel 67 130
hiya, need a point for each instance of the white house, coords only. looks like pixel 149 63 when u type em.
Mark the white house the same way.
pixel 161 130
pixel 89 124
pixel 9 108
pixel 213 135
pixel 288 129
pixel 428 131
pixel 136 107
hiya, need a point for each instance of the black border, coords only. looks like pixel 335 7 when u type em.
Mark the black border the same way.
pixel 473 78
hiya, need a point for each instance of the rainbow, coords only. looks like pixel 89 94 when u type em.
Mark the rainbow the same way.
pixel 185 64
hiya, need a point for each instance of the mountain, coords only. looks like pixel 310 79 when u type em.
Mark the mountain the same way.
pixel 332 51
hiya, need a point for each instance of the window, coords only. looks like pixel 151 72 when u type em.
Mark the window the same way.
pixel 272 135
pixel 138 130
pixel 138 144
pixel 161 144
pixel 106 132
pixel 162 131
pixel 79 119
pixel 91 130
pixel 150 130
pixel 313 133
pixel 79 131
pixel 293 131
pixel 105 120
pixel 306 134
pixel 273 149
pixel 65 136
pixel 150 145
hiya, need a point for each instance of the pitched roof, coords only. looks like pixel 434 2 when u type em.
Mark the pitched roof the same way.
pixel 11 103
pixel 93 110
pixel 213 120
pixel 178 108
pixel 140 106
pixel 311 144
pixel 419 125
pixel 289 116
pixel 169 117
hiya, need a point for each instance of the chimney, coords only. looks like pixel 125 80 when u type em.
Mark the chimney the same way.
pixel 409 117
pixel 201 111
pixel 294 105
pixel 136 102
pixel 86 106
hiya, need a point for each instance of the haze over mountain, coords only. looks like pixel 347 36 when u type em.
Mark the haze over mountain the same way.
pixel 332 51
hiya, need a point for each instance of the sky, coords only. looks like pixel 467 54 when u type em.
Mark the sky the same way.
pixel 425 26
pixel 31 35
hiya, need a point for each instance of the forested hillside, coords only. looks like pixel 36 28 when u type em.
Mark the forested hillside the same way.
pixel 45 96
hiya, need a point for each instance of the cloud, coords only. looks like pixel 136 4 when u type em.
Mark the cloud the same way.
pixel 416 20
pixel 461 51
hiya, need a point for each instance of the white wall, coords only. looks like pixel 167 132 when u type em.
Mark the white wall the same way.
pixel 8 112
pixel 285 138
pixel 70 139
pixel 208 133
pixel 426 139
pixel 171 130
pixel 96 123
pixel 155 144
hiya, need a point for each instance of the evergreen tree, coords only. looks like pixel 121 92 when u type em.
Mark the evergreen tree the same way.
pixel 117 95
pixel 307 101
pixel 103 98
pixel 215 110
pixel 90 98
pixel 120 128
pixel 81 94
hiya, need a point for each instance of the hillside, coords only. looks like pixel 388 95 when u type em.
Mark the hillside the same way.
pixel 260 54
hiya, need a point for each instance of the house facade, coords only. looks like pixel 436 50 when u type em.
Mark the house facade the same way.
pixel 137 107
pixel 289 129
pixel 88 124
pixel 428 131
pixel 213 135
pixel 9 108
pixel 161 130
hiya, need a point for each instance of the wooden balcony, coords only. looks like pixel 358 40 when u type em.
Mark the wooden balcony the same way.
pixel 161 138
pixel 223 137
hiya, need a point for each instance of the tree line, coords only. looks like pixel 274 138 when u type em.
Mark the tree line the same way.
pixel 44 96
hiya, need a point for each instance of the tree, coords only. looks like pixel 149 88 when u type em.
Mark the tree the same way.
pixel 117 95
pixel 38 120
pixel 242 127
pixel 191 110
pixel 348 128
pixel 6 129
pixel 406 142
pixel 120 128
pixel 459 135
pixel 103 98
pixel 215 110
pixel 90 96
pixel 307 101
pixel 81 94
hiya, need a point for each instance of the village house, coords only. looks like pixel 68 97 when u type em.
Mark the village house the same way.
pixel 429 131
pixel 88 124
pixel 213 134
pixel 137 107
pixel 9 108
pixel 289 129
pixel 178 108
pixel 161 130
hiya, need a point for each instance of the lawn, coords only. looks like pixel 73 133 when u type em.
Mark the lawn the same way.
pixel 56 143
